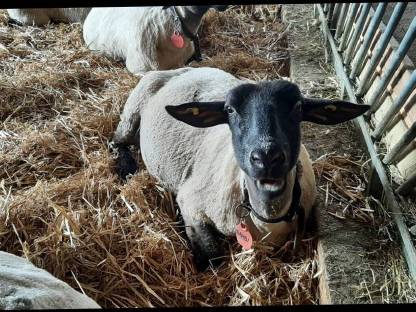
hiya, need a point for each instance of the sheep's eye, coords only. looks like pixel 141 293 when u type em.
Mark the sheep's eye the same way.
pixel 229 109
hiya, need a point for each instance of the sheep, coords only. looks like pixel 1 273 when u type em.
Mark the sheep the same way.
pixel 24 286
pixel 216 141
pixel 146 38
pixel 40 17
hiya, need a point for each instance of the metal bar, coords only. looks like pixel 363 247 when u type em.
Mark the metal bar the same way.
pixel 395 107
pixel 381 47
pixel 331 11
pixel 397 58
pixel 407 186
pixel 404 141
pixel 341 19
pixel 406 242
pixel 358 61
pixel 357 31
pixel 334 17
pixel 326 5
pixel 348 23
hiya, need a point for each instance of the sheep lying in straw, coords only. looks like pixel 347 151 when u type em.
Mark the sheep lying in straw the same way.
pixel 41 17
pixel 24 286
pixel 147 38
pixel 250 176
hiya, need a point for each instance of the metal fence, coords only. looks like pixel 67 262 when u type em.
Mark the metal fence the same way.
pixel 374 54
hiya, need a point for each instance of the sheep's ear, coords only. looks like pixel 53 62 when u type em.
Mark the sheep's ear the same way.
pixel 199 114
pixel 330 112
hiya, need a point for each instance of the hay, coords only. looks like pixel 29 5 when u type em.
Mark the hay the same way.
pixel 245 45
pixel 62 205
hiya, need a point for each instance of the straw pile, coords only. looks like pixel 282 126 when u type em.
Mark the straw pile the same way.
pixel 62 205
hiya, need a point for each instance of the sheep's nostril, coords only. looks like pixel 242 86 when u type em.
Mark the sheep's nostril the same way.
pixel 278 158
pixel 257 158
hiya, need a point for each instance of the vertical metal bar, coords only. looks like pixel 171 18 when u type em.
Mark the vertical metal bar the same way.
pixel 341 19
pixel 398 56
pixel 404 141
pixel 331 11
pixel 326 6
pixel 358 61
pixel 381 47
pixel 395 107
pixel 334 17
pixel 407 186
pixel 357 31
pixel 348 23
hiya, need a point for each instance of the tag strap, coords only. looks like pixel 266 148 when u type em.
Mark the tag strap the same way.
pixel 194 38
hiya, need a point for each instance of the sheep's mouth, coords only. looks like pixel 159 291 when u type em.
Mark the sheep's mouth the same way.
pixel 271 188
pixel 270 185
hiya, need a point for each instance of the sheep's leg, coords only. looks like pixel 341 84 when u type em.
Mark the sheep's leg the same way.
pixel 312 223
pixel 206 245
pixel 127 133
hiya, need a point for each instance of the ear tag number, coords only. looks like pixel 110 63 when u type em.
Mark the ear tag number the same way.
pixel 331 108
pixel 193 110
pixel 177 40
pixel 244 237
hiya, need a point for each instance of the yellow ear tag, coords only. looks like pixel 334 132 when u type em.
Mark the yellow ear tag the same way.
pixel 331 108
pixel 194 110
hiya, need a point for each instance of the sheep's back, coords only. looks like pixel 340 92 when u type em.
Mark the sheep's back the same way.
pixel 41 17
pixel 168 146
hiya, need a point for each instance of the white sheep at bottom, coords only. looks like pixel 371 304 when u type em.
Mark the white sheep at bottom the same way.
pixel 40 17
pixel 229 136
pixel 24 286
pixel 142 36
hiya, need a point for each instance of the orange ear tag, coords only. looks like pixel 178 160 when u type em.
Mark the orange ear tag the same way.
pixel 244 237
pixel 177 40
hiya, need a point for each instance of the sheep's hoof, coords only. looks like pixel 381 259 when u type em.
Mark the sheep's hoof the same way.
pixel 202 262
pixel 12 21
pixel 126 164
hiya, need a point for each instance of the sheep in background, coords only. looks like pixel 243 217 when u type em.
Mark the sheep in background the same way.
pixel 254 155
pixel 146 38
pixel 24 286
pixel 40 17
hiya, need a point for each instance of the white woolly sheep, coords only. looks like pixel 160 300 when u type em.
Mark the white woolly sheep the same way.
pixel 254 153
pixel 24 286
pixel 146 38
pixel 40 17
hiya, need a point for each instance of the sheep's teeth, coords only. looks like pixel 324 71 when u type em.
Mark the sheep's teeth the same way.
pixel 270 187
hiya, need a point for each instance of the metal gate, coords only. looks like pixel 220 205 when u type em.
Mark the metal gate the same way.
pixel 374 55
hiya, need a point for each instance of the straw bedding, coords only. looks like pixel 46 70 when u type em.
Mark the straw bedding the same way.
pixel 62 205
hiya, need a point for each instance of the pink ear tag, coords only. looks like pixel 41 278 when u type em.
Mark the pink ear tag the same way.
pixel 244 237
pixel 177 40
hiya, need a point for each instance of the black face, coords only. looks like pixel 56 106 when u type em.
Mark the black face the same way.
pixel 264 120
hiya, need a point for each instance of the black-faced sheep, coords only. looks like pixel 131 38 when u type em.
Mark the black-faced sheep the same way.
pixel 231 141
pixel 40 17
pixel 146 38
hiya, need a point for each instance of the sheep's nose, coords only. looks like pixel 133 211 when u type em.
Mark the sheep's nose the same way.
pixel 262 159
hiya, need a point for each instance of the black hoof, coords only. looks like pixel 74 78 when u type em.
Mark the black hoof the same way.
pixel 203 263
pixel 11 22
pixel 126 164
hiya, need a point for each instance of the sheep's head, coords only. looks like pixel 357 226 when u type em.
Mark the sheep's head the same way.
pixel 264 120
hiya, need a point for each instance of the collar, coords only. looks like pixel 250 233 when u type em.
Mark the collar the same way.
pixel 193 37
pixel 294 209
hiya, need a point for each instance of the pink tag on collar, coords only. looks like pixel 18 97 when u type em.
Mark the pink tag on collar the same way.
pixel 177 40
pixel 244 237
